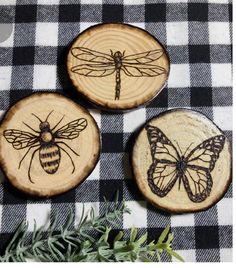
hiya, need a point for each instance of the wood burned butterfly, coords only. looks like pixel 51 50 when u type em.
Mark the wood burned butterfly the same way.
pixel 101 64
pixel 169 165
pixel 48 142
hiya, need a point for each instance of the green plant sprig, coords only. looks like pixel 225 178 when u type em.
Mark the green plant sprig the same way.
pixel 78 245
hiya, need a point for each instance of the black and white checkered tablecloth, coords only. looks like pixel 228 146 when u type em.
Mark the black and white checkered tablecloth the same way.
pixel 197 35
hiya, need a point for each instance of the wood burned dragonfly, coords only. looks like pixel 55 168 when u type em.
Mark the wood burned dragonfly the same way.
pixel 100 64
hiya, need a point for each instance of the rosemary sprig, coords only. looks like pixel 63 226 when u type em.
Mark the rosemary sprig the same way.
pixel 78 244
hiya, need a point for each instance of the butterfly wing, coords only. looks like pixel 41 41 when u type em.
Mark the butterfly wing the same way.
pixel 200 162
pixel 144 57
pixel 71 130
pixel 161 147
pixel 206 154
pixel 198 183
pixel 162 176
pixel 20 139
pixel 92 56
pixel 162 173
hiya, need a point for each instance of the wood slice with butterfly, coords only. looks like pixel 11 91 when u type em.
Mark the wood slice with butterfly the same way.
pixel 182 161
pixel 48 144
pixel 117 66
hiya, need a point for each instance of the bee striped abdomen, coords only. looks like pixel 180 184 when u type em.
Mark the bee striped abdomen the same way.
pixel 50 156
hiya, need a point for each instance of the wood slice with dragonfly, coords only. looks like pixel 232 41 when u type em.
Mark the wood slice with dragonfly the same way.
pixel 182 161
pixel 117 66
pixel 48 144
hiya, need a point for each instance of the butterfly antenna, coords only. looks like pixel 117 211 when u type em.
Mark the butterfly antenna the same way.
pixel 48 116
pixel 188 148
pixel 37 117
pixel 111 53
pixel 178 147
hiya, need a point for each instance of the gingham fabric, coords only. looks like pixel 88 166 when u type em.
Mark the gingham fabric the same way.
pixel 197 35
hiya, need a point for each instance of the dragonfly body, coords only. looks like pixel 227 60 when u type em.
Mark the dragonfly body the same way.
pixel 98 64
pixel 118 64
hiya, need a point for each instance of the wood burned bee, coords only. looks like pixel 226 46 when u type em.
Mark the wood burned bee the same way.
pixel 47 141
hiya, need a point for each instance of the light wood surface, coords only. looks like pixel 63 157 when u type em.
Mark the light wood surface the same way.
pixel 203 159
pixel 59 139
pixel 117 66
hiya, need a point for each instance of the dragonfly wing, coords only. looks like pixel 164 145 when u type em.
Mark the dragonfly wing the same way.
pixel 90 55
pixel 144 57
pixel 138 70
pixel 94 70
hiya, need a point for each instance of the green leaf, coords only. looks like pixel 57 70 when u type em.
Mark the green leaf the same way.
pixel 133 234
pixel 53 224
pixel 118 237
pixel 17 234
pixel 176 255
pixel 142 239
pixel 69 221
pixel 170 238
pixel 81 218
pixel 92 214
pixel 164 234
pixel 146 259
pixel 80 245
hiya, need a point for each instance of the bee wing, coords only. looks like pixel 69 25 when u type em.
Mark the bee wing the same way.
pixel 144 57
pixel 85 54
pixel 20 139
pixel 71 130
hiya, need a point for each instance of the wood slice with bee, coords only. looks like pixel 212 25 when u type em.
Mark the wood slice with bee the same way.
pixel 117 66
pixel 182 161
pixel 48 144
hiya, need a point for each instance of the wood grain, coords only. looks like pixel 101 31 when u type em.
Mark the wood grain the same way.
pixel 188 132
pixel 97 78
pixel 62 139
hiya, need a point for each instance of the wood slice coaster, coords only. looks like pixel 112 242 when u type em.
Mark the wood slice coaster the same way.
pixel 117 66
pixel 48 144
pixel 182 161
